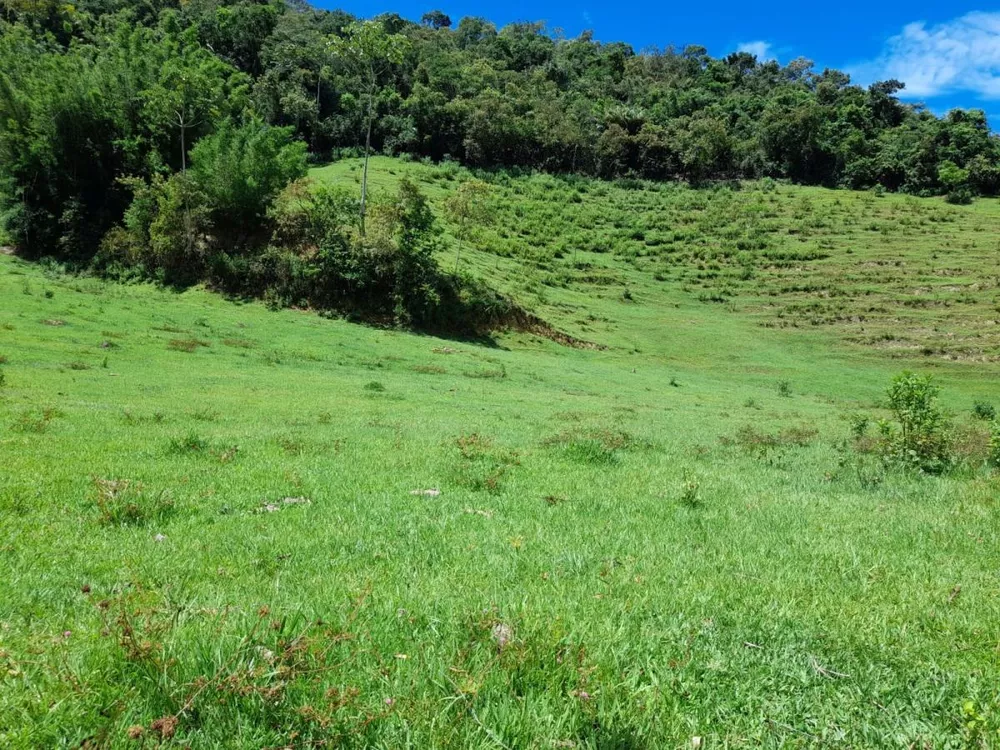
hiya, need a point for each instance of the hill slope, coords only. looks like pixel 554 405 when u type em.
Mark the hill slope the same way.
pixel 211 535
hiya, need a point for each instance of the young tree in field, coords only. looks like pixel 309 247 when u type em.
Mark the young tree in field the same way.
pixel 369 51
pixel 468 205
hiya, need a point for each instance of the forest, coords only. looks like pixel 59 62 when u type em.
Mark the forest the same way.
pixel 171 140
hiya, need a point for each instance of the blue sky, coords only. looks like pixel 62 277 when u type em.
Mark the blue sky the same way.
pixel 948 53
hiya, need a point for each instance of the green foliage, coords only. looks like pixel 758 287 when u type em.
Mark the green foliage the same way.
pixel 468 205
pixel 959 196
pixel 689 491
pixel 74 121
pixel 242 168
pixel 922 438
pixel 103 103
pixel 319 256
pixel 105 90
pixel 951 175
pixel 994 456
pixel 984 411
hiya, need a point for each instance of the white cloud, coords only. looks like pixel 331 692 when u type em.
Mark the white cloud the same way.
pixel 958 55
pixel 586 17
pixel 759 49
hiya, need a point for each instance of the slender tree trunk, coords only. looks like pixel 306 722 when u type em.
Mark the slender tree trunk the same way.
pixel 462 234
pixel 189 239
pixel 182 124
pixel 368 146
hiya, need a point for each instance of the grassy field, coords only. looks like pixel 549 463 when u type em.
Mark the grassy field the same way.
pixel 224 526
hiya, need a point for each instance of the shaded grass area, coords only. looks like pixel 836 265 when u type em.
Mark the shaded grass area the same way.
pixel 241 528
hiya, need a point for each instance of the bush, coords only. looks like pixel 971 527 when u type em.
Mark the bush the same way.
pixel 960 196
pixel 319 256
pixel 984 410
pixel 177 241
pixel 921 440
pixel 242 168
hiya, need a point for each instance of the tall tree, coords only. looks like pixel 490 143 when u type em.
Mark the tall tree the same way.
pixel 436 20
pixel 468 205
pixel 369 51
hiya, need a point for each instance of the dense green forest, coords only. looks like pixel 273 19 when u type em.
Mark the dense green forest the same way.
pixel 170 139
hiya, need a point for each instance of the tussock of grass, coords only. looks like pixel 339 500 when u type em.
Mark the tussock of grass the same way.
pixel 121 502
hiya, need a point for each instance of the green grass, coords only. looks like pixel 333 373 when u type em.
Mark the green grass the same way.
pixel 283 530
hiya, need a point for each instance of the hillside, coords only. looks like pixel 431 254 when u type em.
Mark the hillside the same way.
pixel 219 528
pixel 639 263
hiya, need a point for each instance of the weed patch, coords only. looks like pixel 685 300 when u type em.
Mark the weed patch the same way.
pixel 121 502
pixel 598 445
pixel 483 466
pixel 36 420
pixel 487 374
pixel 429 370
pixel 192 443
pixel 689 492
pixel 760 444
pixel 186 345
pixel 985 411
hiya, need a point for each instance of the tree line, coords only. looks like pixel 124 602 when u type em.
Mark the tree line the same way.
pixel 162 136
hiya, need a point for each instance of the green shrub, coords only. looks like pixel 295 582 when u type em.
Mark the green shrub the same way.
pixel 995 444
pixel 689 491
pixel 177 241
pixel 242 168
pixel 921 437
pixel 960 196
pixel 984 410
pixel 591 451
pixel 319 256
pixel 859 425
